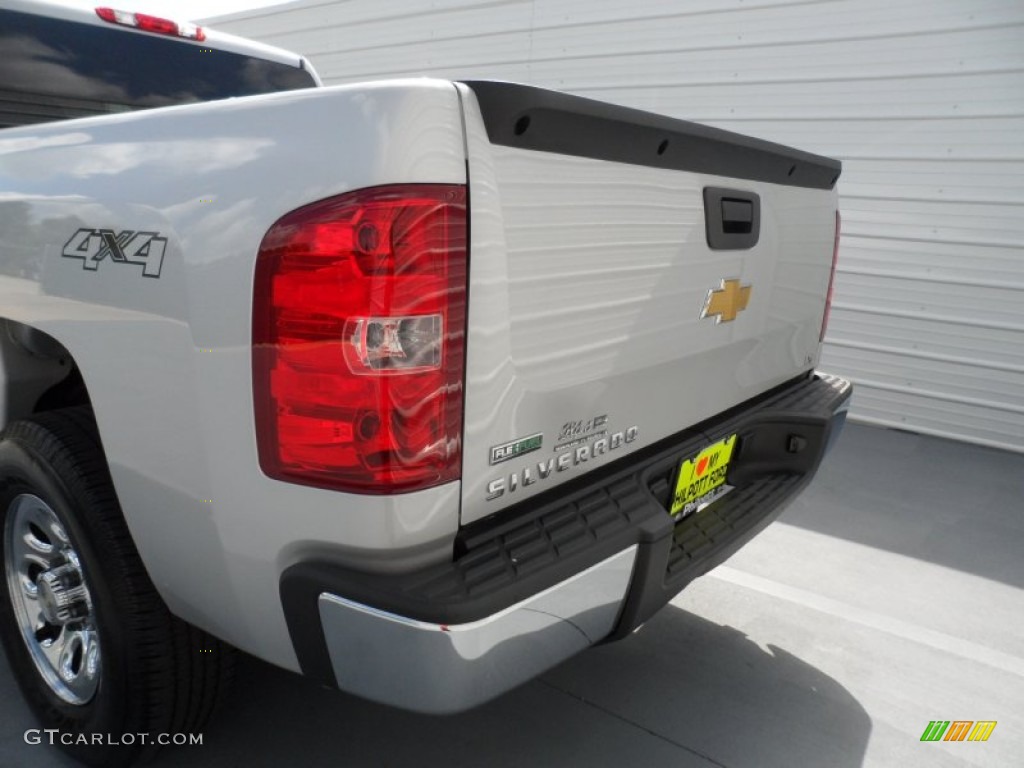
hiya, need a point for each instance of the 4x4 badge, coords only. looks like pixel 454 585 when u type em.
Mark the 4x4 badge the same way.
pixel 127 247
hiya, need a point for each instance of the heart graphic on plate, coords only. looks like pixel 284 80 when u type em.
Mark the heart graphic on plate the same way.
pixel 702 465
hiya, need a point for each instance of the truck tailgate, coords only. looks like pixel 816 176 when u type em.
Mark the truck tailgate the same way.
pixel 630 276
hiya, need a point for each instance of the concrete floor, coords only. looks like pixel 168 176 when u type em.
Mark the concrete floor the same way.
pixel 890 594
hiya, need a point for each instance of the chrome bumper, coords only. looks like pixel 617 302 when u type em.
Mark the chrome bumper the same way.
pixel 438 669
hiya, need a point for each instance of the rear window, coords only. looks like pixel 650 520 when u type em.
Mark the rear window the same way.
pixel 53 69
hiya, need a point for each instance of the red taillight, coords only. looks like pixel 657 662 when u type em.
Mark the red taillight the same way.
pixel 831 282
pixel 149 23
pixel 358 340
pixel 155 24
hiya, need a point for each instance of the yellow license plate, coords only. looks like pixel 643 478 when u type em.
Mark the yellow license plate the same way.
pixel 701 479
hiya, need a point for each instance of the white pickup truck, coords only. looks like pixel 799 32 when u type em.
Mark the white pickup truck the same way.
pixel 415 387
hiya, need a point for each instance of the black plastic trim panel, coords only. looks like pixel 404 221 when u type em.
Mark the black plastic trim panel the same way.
pixel 526 117
pixel 534 545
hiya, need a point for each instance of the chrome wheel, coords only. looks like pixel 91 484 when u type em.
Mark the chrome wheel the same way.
pixel 51 600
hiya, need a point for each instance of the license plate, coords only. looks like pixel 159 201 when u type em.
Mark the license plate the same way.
pixel 701 479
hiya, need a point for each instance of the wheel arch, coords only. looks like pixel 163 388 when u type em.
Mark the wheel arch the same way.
pixel 37 373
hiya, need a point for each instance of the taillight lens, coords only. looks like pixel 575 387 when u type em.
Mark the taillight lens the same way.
pixel 155 24
pixel 358 340
pixel 831 282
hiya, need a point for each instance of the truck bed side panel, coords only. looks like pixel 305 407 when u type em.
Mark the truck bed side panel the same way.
pixel 167 359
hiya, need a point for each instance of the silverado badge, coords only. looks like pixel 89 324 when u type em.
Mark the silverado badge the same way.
pixel 726 301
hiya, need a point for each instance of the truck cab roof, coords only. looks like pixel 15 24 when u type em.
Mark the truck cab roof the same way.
pixel 62 61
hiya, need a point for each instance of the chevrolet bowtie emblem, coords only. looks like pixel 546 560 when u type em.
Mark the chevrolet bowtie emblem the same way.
pixel 726 301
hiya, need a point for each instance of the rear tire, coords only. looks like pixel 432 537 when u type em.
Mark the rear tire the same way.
pixel 94 649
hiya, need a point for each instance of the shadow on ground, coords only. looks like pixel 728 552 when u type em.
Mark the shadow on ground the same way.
pixel 683 692
pixel 932 499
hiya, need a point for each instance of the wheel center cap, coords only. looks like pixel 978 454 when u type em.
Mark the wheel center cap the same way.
pixel 47 602
pixel 62 596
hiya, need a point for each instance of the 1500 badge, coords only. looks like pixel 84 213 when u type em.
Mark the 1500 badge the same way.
pixel 126 247
pixel 580 431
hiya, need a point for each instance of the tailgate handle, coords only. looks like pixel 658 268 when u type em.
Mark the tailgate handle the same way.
pixel 732 218
pixel 737 216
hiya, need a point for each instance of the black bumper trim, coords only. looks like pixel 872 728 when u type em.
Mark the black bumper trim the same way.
pixel 545 540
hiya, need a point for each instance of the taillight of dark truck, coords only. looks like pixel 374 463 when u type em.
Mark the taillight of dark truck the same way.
pixel 359 340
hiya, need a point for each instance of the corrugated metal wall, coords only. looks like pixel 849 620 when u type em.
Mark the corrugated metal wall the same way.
pixel 922 100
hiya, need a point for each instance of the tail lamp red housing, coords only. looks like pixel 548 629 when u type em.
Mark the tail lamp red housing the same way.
pixel 359 340
pixel 831 281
